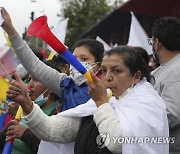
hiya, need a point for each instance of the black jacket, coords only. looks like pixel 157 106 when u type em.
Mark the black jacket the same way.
pixel 86 138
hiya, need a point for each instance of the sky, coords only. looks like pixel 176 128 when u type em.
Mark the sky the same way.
pixel 20 11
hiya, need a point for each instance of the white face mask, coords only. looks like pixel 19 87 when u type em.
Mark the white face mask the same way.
pixel 128 90
pixel 77 77
pixel 40 100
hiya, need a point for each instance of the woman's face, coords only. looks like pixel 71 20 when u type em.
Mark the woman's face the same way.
pixel 36 88
pixel 83 54
pixel 116 75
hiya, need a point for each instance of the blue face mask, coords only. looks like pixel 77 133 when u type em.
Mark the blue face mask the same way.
pixel 40 100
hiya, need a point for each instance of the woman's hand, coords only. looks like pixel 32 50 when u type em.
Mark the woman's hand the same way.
pixel 18 93
pixel 12 108
pixel 15 130
pixel 97 90
pixel 7 24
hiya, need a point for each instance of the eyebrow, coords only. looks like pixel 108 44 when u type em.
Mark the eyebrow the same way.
pixel 83 55
pixel 112 66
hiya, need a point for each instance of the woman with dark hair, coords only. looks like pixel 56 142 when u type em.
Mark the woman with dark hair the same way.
pixel 133 121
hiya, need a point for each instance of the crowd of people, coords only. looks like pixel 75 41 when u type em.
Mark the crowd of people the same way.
pixel 65 113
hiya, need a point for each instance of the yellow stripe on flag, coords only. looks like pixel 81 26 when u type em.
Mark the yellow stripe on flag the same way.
pixel 4 87
pixel 8 42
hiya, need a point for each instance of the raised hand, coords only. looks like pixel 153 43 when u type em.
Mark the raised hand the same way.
pixel 15 130
pixel 7 24
pixel 18 93
pixel 97 90
pixel 12 108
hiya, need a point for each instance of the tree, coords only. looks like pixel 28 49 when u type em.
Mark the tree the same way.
pixel 82 15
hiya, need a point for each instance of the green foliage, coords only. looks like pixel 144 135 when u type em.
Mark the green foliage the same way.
pixel 82 15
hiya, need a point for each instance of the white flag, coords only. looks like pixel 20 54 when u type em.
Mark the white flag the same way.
pixel 137 35
pixel 60 32
pixel 106 46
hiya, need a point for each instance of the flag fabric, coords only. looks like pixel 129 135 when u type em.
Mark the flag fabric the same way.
pixel 5 117
pixel 8 43
pixel 60 32
pixel 137 35
pixel 8 62
pixel 2 119
pixel 8 118
pixel 8 145
pixel 4 87
pixel 106 46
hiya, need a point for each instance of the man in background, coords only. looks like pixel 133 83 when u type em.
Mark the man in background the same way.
pixel 165 43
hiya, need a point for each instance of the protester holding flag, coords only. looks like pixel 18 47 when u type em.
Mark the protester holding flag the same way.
pixel 26 141
pixel 88 51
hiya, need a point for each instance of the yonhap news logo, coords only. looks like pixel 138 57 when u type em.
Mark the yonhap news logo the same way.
pixel 103 140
